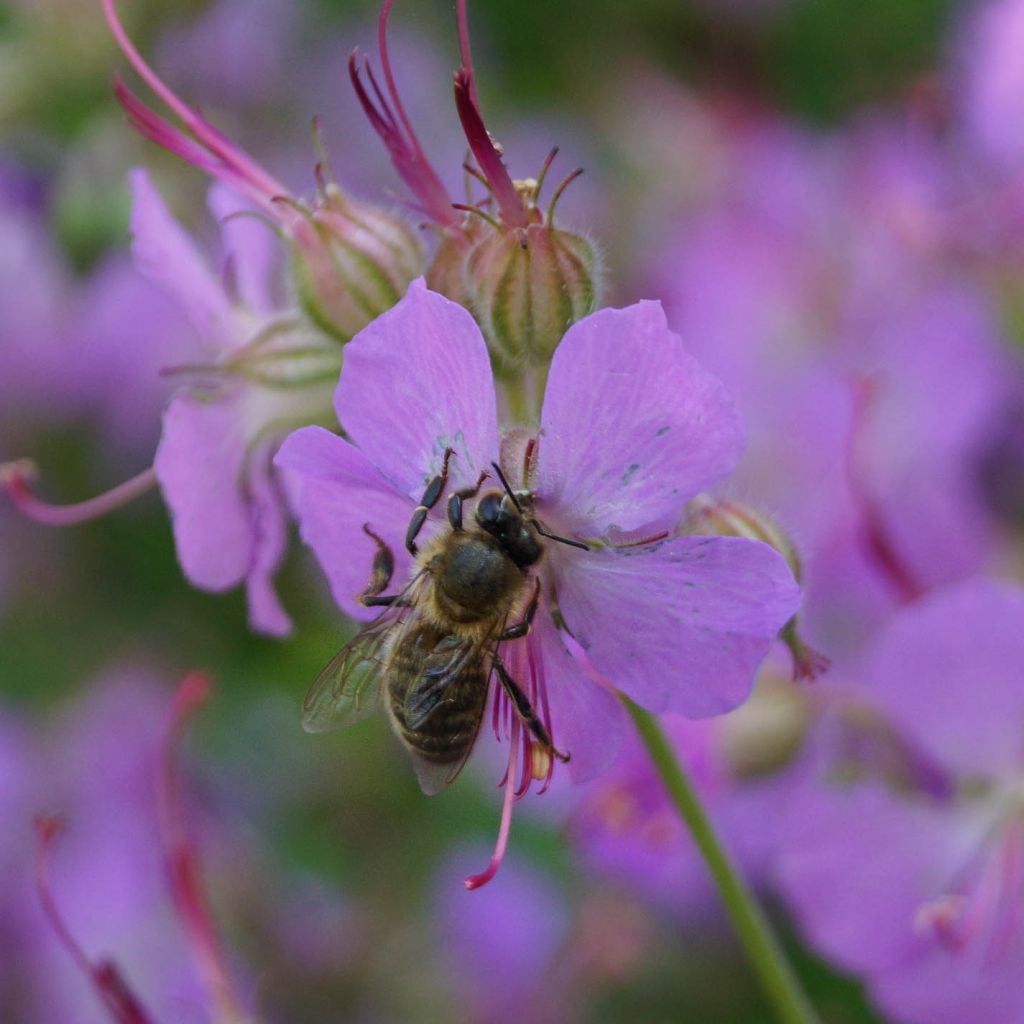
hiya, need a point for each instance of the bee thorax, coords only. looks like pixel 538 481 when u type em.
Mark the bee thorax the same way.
pixel 475 580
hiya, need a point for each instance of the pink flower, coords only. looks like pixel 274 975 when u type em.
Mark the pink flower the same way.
pixel 631 429
pixel 265 371
pixel 903 854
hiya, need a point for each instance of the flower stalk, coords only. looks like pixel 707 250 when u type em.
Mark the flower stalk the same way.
pixel 773 970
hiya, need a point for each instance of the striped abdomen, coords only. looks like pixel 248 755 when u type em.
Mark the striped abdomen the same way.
pixel 437 698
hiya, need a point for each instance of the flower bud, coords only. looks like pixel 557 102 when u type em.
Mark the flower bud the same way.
pixel 447 273
pixel 351 262
pixel 526 288
pixel 286 354
pixel 765 735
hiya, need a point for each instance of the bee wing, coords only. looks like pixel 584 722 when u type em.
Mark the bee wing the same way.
pixel 348 687
pixel 433 777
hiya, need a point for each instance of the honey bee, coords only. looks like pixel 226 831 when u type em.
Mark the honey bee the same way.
pixel 435 647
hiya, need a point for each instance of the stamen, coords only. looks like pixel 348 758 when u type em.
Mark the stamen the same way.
pixel 545 167
pixel 566 182
pixel 16 476
pixel 984 902
pixel 110 986
pixel 475 881
pixel 536 668
pixel 182 858
pixel 234 159
pixel 541 764
pixel 462 19
pixel 389 78
pixel 479 213
pixel 407 156
pixel 486 153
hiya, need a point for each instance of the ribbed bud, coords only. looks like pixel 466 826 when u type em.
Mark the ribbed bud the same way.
pixel 720 517
pixel 526 288
pixel 286 354
pixel 351 262
pixel 447 273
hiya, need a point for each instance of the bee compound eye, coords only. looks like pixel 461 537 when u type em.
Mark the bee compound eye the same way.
pixel 489 510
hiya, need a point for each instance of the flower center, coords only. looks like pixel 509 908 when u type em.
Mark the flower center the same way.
pixel 981 906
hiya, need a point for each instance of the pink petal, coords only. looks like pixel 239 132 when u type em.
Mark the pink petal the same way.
pixel 632 426
pixel 270 537
pixel 199 463
pixel 948 670
pixel 681 626
pixel 416 381
pixel 854 905
pixel 337 490
pixel 587 720
pixel 165 254
pixel 249 245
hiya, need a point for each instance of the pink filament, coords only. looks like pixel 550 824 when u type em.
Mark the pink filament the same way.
pixel 15 476
pixel 462 19
pixel 182 857
pixel 391 122
pixel 234 159
pixel 475 881
pixel 987 904
pixel 111 987
pixel 485 152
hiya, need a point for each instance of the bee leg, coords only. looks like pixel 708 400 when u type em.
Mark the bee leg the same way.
pixel 521 629
pixel 430 498
pixel 383 570
pixel 456 500
pixel 525 710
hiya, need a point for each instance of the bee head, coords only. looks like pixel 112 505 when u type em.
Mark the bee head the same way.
pixel 499 515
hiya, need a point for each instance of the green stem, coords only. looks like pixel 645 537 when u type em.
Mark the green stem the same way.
pixel 518 400
pixel 769 962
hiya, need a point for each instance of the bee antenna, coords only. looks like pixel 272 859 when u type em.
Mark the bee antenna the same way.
pixel 561 540
pixel 540 529
pixel 508 489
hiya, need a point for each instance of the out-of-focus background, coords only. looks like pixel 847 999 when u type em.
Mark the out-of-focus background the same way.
pixel 755 163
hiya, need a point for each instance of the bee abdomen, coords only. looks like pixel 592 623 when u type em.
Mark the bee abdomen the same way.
pixel 448 731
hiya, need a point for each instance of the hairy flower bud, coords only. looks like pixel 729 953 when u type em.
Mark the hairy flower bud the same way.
pixel 526 288
pixel 447 273
pixel 351 262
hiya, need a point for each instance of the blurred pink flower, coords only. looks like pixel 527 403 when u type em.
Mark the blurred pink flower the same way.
pixel 903 859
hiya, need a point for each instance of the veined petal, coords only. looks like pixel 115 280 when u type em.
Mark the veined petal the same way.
pixel 199 464
pixel 338 490
pixel 416 381
pixel 632 426
pixel 164 253
pixel 680 626
pixel 270 537
pixel 587 720
pixel 249 245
